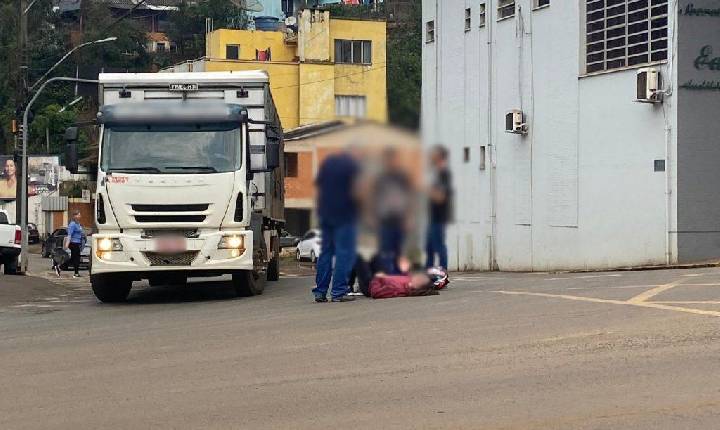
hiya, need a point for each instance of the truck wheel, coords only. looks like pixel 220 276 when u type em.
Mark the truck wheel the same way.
pixel 10 266
pixel 273 269
pixel 248 283
pixel 110 288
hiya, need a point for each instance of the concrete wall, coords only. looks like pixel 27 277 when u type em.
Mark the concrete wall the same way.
pixel 579 190
pixel 698 131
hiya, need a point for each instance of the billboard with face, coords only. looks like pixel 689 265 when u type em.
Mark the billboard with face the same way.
pixel 43 175
pixel 8 178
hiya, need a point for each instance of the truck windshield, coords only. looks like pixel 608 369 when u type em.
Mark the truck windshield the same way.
pixel 203 148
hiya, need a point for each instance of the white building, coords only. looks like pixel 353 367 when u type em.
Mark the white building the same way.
pixel 598 180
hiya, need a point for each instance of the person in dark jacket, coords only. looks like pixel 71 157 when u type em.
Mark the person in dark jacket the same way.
pixel 338 213
pixel 440 195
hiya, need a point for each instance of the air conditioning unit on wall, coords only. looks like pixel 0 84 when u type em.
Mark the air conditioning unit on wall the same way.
pixel 649 86
pixel 515 122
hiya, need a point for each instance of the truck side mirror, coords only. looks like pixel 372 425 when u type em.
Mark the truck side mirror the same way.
pixel 272 154
pixel 71 157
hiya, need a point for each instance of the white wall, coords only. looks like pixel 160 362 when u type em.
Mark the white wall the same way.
pixel 579 191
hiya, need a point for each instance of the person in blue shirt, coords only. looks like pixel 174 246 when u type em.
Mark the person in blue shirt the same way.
pixel 338 212
pixel 74 241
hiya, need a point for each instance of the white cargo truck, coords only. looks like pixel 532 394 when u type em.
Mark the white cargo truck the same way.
pixel 190 181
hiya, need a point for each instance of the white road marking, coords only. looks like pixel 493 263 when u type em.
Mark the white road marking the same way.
pixel 650 305
pixel 644 296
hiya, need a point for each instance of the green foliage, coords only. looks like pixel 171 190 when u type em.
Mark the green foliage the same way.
pixel 188 23
pixel 55 122
pixel 404 69
pixel 356 11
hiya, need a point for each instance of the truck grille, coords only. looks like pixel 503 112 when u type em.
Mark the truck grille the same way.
pixel 171 208
pixel 150 233
pixel 170 218
pixel 179 259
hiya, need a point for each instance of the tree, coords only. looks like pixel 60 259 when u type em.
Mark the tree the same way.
pixel 404 68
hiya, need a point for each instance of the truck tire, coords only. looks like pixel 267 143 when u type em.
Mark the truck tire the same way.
pixel 10 266
pixel 248 283
pixel 273 269
pixel 110 288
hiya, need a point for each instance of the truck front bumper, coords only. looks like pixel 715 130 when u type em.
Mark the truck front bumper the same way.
pixel 201 257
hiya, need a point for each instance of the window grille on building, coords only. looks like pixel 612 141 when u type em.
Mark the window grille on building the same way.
pixel 353 51
pixel 430 32
pixel 352 106
pixel 232 52
pixel 542 3
pixel 625 33
pixel 481 18
pixel 468 19
pixel 506 9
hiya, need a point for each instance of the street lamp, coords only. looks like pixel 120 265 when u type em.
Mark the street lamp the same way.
pixel 94 42
pixel 24 183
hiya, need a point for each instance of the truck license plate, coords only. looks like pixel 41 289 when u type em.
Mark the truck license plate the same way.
pixel 170 244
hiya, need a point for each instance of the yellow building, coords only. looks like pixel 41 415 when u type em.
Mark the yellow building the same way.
pixel 330 69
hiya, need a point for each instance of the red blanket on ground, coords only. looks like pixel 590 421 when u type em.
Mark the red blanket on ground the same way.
pixel 386 287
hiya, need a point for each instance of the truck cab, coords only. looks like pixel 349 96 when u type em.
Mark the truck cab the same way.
pixel 190 182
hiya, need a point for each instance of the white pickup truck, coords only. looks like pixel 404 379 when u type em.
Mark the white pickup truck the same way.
pixel 9 244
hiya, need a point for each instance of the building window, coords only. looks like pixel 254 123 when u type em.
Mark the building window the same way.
pixel 466 154
pixel 353 51
pixel 291 165
pixel 506 9
pixel 541 3
pixel 625 33
pixel 430 32
pixel 468 19
pixel 481 19
pixel 288 7
pixel 160 47
pixel 232 52
pixel 354 106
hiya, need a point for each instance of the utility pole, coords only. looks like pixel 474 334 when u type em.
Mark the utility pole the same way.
pixel 21 95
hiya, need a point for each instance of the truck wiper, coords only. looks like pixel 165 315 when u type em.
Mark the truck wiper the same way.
pixel 203 168
pixel 133 169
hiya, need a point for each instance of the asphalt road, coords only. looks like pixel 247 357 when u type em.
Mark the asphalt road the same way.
pixel 630 350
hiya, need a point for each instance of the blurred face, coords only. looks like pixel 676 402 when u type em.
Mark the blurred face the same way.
pixel 9 168
pixel 77 216
pixel 419 280
pixel 438 160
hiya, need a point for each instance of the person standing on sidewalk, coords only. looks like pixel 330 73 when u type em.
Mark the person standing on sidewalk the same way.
pixel 74 241
pixel 440 208
pixel 337 208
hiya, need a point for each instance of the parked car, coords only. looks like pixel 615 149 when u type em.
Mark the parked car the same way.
pixel 84 258
pixel 309 246
pixel 9 244
pixel 33 234
pixel 55 240
pixel 287 240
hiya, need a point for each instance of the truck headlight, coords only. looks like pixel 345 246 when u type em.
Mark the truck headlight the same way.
pixel 232 242
pixel 107 244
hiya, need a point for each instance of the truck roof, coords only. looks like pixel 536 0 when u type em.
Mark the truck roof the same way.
pixel 257 76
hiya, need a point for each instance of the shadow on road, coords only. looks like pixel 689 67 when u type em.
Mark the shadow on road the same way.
pixel 193 291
